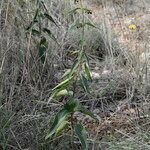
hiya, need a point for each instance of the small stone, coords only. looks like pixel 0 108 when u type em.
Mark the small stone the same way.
pixel 95 75
pixel 96 111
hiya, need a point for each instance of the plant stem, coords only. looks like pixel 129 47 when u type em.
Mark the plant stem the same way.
pixel 83 29
pixel 72 132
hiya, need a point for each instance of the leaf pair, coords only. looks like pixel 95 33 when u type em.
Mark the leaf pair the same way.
pixel 61 89
pixel 61 116
pixel 60 120
pixel 81 133
pixel 42 47
pixel 50 34
pixel 78 25
pixel 37 19
pixel 86 77
pixel 73 11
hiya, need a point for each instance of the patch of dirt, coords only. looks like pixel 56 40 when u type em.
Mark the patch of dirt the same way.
pixel 123 122
pixel 135 39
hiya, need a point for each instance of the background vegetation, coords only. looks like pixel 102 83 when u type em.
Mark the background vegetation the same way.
pixel 40 40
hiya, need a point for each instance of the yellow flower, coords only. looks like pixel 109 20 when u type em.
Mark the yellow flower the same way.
pixel 132 26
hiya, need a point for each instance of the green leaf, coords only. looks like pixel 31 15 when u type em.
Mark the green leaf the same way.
pixel 67 72
pixel 85 111
pixel 54 93
pixel 63 125
pixel 77 25
pixel 60 92
pixel 87 71
pixel 81 133
pixel 74 67
pixel 35 32
pixel 36 14
pixel 44 5
pixel 50 18
pixel 85 83
pixel 70 93
pixel 64 93
pixel 87 10
pixel 41 15
pixel 59 119
pixel 72 105
pixel 76 63
pixel 90 24
pixel 45 30
pixel 34 20
pixel 74 10
pixel 42 50
pixel 43 41
pixel 63 83
pixel 42 47
pixel 82 42
pixel 31 25
pixel 80 25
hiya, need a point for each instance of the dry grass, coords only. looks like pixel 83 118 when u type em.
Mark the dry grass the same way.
pixel 119 56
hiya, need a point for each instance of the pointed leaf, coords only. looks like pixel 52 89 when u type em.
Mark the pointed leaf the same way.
pixel 74 66
pixel 81 133
pixel 50 18
pixel 62 126
pixel 45 30
pixel 70 93
pixel 43 41
pixel 54 93
pixel 85 111
pixel 60 117
pixel 41 15
pixel 72 105
pixel 66 73
pixel 87 10
pixel 30 25
pixel 35 32
pixel 75 52
pixel 77 24
pixel 90 24
pixel 34 20
pixel 44 5
pixel 63 83
pixel 74 10
pixel 42 50
pixel 80 25
pixel 85 83
pixel 36 14
pixel 58 93
pixel 62 93
pixel 87 71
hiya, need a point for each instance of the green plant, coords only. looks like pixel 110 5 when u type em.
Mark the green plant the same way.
pixel 38 28
pixel 78 75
